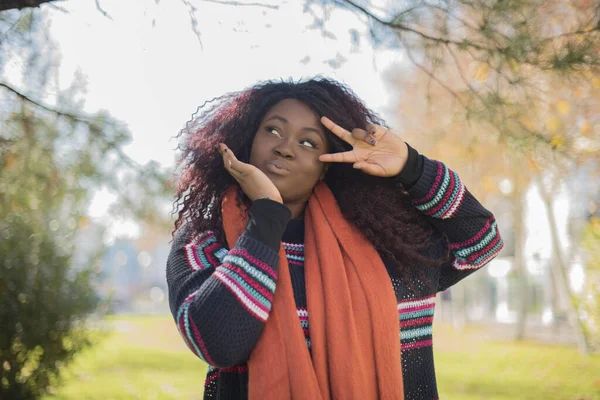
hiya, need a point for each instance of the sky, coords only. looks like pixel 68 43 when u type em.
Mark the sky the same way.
pixel 147 67
pixel 154 77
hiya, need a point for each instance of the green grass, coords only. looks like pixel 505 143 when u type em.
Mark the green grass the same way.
pixel 144 358
pixel 468 368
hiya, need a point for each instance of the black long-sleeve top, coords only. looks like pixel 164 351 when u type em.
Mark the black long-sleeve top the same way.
pixel 221 298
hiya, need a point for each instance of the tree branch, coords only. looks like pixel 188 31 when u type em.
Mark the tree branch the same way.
pixel 194 21
pixel 20 4
pixel 102 11
pixel 402 27
pixel 123 157
pixel 465 43
pixel 42 106
pixel 237 3
pixel 461 73
pixel 432 76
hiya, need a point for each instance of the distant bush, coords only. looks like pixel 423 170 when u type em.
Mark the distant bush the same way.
pixel 52 156
pixel 42 304
pixel 589 300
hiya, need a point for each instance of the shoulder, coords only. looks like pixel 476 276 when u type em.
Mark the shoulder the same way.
pixel 195 232
pixel 437 245
pixel 201 249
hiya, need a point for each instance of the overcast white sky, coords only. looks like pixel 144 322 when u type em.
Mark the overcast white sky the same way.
pixel 153 78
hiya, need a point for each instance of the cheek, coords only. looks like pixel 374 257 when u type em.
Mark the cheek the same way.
pixel 255 151
pixel 313 168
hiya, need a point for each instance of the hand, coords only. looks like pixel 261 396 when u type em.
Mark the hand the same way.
pixel 253 181
pixel 377 151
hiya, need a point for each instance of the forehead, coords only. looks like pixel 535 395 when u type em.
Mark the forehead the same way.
pixel 294 111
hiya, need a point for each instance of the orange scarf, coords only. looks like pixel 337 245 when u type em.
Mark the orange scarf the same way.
pixel 353 319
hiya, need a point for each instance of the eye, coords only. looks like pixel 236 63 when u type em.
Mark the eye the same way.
pixel 310 143
pixel 273 131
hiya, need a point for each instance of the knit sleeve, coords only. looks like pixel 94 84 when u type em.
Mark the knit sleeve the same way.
pixel 470 228
pixel 221 298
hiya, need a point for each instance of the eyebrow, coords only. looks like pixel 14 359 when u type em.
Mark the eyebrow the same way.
pixel 309 129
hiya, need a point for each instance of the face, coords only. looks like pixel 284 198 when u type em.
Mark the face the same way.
pixel 287 147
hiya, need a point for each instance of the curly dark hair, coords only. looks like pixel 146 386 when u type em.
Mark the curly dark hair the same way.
pixel 379 207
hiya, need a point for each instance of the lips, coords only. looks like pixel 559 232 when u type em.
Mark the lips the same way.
pixel 278 167
pixel 279 164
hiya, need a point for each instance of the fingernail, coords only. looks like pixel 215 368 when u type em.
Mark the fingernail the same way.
pixel 356 166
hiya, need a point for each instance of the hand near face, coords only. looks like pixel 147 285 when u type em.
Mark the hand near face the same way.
pixel 376 151
pixel 252 180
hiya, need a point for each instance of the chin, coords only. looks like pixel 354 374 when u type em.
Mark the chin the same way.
pixel 282 191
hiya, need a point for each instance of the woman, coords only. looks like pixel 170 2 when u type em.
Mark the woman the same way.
pixel 310 245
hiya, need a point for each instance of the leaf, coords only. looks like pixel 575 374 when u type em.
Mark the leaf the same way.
pixel 533 165
pixel 562 107
pixel 482 71
pixel 557 142
pixel 552 124
pixel 527 122
pixel 514 65
pixel 596 83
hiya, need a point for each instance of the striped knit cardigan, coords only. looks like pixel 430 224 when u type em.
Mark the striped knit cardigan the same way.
pixel 220 298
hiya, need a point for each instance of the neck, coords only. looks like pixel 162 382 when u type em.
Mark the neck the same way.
pixel 297 208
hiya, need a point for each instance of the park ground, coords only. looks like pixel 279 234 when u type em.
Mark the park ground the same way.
pixel 144 358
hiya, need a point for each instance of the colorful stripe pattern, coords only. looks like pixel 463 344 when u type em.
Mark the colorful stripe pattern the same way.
pixel 480 249
pixel 294 253
pixel 416 319
pixel 203 251
pixel 445 196
pixel 449 198
pixel 189 332
pixel 303 316
pixel 250 280
pixel 214 373
pixel 473 237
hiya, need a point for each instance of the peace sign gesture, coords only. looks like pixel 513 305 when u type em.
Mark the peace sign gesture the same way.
pixel 376 151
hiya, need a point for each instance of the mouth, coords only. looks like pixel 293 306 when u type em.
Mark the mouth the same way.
pixel 277 167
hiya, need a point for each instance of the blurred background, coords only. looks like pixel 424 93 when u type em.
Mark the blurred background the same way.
pixel 94 93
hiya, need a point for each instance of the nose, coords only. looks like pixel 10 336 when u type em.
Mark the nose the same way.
pixel 284 149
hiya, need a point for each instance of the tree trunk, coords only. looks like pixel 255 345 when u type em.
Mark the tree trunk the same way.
pixel 553 299
pixel 19 4
pixel 559 270
pixel 519 260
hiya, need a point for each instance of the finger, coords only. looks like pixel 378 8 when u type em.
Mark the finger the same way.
pixel 347 157
pixel 338 130
pixel 361 134
pixel 377 132
pixel 230 161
